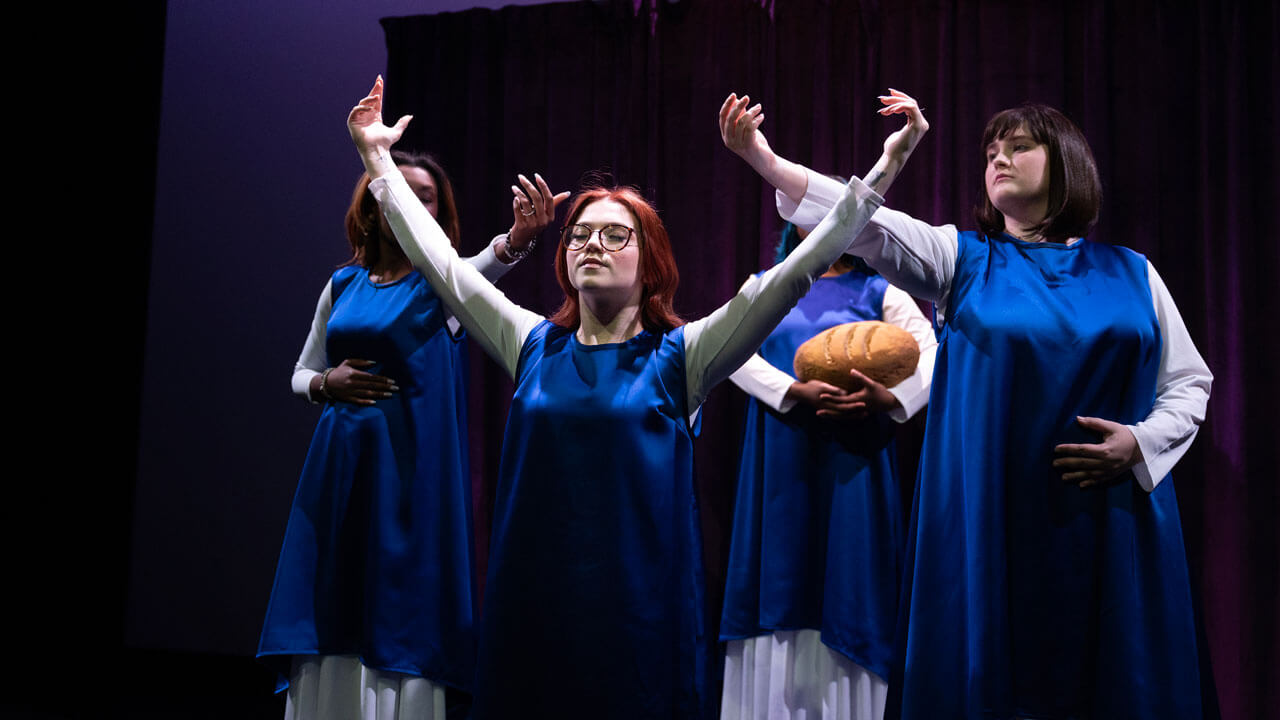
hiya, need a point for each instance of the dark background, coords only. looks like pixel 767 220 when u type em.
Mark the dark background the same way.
pixel 198 214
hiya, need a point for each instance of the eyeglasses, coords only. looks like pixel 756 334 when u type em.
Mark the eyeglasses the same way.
pixel 612 237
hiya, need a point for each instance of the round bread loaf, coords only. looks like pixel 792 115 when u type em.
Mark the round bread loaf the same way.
pixel 883 352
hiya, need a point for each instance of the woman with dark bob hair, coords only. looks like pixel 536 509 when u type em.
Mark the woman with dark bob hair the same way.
pixel 594 597
pixel 1045 572
pixel 372 611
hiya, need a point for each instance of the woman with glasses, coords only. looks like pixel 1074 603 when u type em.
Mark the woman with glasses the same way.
pixel 1045 574
pixel 593 604
pixel 372 610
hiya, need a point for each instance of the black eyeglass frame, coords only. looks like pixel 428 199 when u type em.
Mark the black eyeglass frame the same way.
pixel 564 236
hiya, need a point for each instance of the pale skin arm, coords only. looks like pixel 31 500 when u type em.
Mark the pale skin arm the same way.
pixel 740 131
pixel 720 343
pixel 499 325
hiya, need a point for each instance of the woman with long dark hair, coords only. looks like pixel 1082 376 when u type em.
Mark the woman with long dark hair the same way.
pixel 1045 572
pixel 594 602
pixel 372 611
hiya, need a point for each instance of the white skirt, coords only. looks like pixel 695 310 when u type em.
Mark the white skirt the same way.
pixel 340 687
pixel 792 675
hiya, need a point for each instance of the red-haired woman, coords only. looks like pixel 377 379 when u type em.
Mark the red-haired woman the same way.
pixel 371 614
pixel 1045 573
pixel 593 605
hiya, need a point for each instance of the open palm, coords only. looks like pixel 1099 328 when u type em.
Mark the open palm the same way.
pixel 366 126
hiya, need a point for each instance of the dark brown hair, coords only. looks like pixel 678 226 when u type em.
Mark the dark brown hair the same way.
pixel 1075 192
pixel 659 275
pixel 364 228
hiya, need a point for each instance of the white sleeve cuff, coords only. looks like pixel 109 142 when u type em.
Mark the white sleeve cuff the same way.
pixel 821 194
pixel 764 382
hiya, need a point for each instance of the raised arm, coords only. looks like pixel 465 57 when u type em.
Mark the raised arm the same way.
pixel 740 131
pixel 913 255
pixel 499 325
pixel 720 343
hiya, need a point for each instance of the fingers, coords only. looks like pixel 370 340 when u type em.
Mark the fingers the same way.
pixel 862 381
pixel 555 202
pixel 898 102
pixel 535 197
pixel 842 403
pixel 544 190
pixel 1087 478
pixel 725 109
pixel 523 204
pixel 358 362
pixel 857 411
pixel 1080 450
pixel 735 124
pixel 746 123
pixel 1081 463
pixel 1098 425
pixel 401 124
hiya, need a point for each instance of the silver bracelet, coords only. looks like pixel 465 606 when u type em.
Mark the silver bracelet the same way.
pixel 324 378
pixel 518 255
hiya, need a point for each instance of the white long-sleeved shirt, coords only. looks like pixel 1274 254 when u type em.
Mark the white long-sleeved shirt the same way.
pixel 768 384
pixel 313 360
pixel 921 259
pixel 715 345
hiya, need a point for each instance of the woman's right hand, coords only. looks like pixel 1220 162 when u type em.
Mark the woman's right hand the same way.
pixel 372 137
pixel 740 129
pixel 826 399
pixel 347 383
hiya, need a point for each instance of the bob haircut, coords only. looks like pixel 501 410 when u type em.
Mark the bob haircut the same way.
pixel 1075 192
pixel 364 219
pixel 659 275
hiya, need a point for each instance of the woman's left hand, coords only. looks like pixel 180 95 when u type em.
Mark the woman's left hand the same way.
pixel 1089 465
pixel 533 207
pixel 366 127
pixel 900 144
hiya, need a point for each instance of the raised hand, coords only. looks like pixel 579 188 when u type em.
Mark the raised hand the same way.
pixel 346 383
pixel 533 207
pixel 1095 464
pixel 900 144
pixel 740 128
pixel 371 135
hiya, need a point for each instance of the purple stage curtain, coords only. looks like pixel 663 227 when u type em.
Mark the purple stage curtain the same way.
pixel 1179 104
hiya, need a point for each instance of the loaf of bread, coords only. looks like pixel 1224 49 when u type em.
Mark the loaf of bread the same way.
pixel 883 352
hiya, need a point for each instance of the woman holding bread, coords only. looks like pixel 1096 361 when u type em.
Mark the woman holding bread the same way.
pixel 1045 572
pixel 593 603
pixel 816 557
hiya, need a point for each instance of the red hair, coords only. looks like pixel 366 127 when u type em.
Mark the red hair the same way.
pixel 659 275
pixel 363 219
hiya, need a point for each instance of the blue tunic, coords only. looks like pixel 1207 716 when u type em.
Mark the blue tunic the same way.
pixel 817 530
pixel 1025 596
pixel 593 604
pixel 377 558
